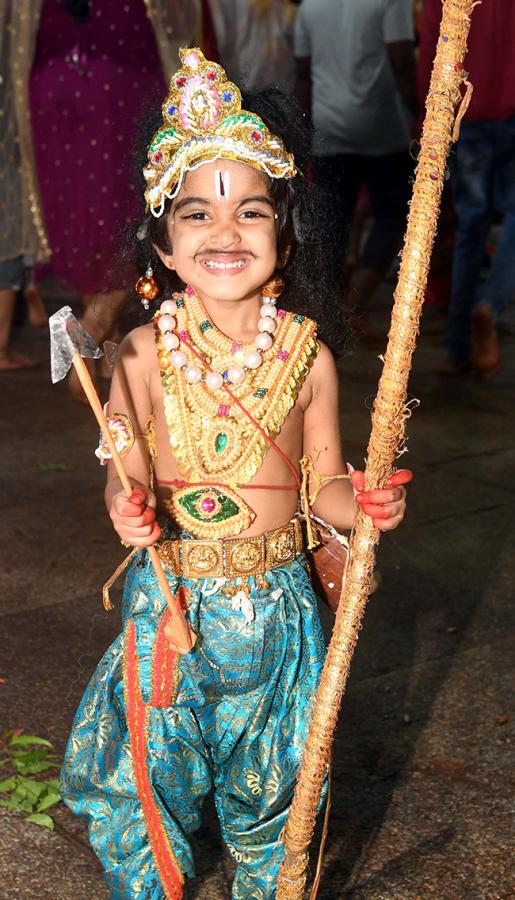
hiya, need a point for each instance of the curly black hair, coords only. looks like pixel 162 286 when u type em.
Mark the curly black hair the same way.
pixel 310 287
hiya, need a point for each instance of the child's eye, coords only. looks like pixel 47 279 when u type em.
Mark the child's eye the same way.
pixel 252 214
pixel 197 216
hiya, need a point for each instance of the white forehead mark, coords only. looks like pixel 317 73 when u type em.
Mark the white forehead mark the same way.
pixel 222 184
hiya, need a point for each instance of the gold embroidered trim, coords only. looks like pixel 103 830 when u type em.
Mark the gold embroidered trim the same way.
pixel 138 716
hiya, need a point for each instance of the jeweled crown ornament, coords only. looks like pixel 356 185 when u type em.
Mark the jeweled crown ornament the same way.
pixel 203 121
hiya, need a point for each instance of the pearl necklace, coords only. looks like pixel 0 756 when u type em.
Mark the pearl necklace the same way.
pixel 234 374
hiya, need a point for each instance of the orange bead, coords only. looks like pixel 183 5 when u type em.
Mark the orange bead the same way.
pixel 273 288
pixel 147 287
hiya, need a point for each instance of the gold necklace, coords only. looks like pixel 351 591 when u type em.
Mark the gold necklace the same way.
pixel 211 438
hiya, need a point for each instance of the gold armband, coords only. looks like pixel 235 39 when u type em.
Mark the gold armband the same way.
pixel 307 499
pixel 122 431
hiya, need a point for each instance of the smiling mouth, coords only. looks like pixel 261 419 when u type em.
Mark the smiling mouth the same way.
pixel 225 263
pixel 215 264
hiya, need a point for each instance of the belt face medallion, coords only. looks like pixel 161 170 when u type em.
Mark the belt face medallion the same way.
pixel 246 557
pixel 282 547
pixel 200 561
pixel 210 513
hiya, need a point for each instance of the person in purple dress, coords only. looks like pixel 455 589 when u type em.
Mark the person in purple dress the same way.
pixel 96 66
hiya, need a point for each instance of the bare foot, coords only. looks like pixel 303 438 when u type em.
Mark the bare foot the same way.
pixel 38 316
pixel 11 361
pixel 451 367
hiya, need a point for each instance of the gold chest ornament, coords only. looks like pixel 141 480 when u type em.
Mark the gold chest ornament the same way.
pixel 217 445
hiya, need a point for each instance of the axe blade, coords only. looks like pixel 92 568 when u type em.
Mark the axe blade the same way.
pixel 68 337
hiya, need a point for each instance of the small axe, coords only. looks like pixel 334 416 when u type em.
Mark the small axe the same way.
pixel 69 343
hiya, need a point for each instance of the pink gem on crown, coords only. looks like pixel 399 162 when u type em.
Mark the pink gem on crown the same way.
pixel 223 410
pixel 281 313
pixel 283 354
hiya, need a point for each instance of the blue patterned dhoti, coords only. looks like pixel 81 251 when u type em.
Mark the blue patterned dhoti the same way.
pixel 154 735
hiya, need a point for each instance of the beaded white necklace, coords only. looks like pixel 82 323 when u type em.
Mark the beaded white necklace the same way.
pixel 234 374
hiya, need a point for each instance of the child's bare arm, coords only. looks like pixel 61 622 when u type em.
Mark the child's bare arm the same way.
pixel 335 501
pixel 133 517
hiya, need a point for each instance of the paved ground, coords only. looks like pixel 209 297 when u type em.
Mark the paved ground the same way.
pixel 423 781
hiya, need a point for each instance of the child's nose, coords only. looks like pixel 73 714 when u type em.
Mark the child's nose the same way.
pixel 226 235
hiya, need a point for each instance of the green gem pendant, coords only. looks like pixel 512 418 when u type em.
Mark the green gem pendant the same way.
pixel 221 442
pixel 210 513
pixel 209 505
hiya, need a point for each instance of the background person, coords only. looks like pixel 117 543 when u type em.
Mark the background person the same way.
pixel 356 75
pixel 84 70
pixel 483 181
pixel 254 39
pixel 20 237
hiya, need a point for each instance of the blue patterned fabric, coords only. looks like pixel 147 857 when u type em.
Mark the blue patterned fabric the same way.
pixel 238 725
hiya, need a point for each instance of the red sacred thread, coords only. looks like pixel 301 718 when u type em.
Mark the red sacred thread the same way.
pixel 178 483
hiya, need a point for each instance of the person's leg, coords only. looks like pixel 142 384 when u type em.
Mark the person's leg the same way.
pixel 387 179
pixel 11 281
pixel 36 310
pixel 101 313
pixel 472 181
pixel 498 288
pixel 259 749
pixel 339 180
pixel 136 766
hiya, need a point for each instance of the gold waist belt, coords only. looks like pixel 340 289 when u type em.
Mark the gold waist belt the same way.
pixel 233 557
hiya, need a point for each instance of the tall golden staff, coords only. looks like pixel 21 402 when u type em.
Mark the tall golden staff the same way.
pixel 440 129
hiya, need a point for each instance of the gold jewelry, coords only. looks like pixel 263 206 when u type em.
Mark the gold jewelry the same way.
pixel 209 434
pixel 125 544
pixel 203 121
pixel 209 512
pixel 233 557
pixel 211 438
pixel 147 287
pixel 122 431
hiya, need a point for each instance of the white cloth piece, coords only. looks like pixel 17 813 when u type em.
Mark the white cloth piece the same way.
pixel 243 603
pixel 217 585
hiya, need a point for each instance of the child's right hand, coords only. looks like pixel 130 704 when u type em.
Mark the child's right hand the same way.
pixel 134 517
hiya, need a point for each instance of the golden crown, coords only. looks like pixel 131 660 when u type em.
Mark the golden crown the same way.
pixel 203 121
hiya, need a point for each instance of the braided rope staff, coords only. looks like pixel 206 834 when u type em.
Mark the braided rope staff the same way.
pixel 441 127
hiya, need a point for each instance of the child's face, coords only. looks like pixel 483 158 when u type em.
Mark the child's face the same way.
pixel 223 231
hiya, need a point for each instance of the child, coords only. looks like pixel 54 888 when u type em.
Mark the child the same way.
pixel 238 391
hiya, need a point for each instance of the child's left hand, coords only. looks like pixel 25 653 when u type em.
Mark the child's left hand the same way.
pixel 386 506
